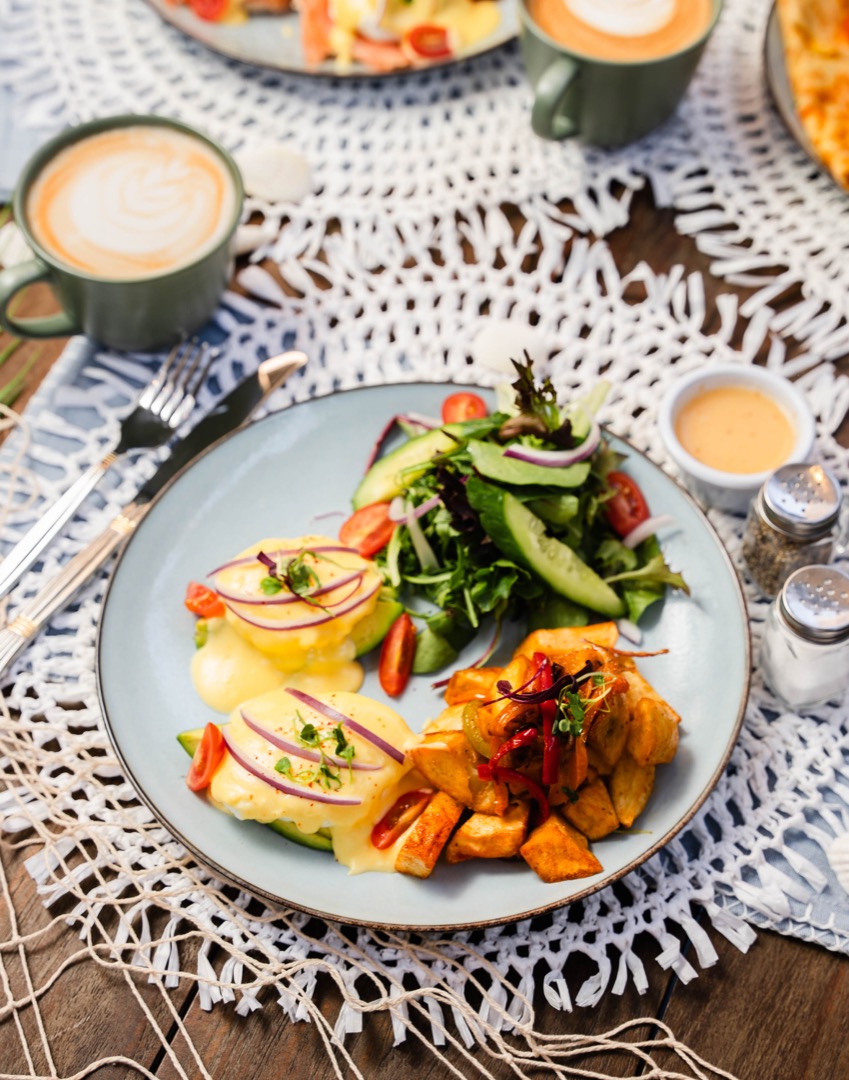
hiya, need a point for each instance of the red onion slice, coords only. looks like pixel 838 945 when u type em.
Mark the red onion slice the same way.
pixel 301 751
pixel 646 529
pixel 289 598
pixel 558 459
pixel 246 560
pixel 273 624
pixel 630 630
pixel 340 718
pixel 281 785
pixel 399 510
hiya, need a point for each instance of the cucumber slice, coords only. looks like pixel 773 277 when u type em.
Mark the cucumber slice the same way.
pixel 319 841
pixel 522 537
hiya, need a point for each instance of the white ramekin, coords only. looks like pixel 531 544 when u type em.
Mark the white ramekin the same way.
pixel 733 491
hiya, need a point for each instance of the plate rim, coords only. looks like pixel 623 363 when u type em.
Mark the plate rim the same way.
pixel 279 901
pixel 326 70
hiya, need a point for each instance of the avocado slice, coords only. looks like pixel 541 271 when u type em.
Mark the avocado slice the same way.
pixel 491 461
pixel 522 537
pixel 391 474
pixel 320 841
pixel 370 631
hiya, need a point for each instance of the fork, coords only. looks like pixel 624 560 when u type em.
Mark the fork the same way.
pixel 164 404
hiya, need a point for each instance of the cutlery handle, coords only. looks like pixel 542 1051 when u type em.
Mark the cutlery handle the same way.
pixel 30 546
pixel 57 592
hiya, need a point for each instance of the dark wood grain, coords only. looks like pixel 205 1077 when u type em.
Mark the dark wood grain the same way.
pixel 776 1013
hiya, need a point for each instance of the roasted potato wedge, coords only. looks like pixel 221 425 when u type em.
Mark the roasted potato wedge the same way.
pixel 567 639
pixel 483 836
pixel 471 684
pixel 630 786
pixel 428 836
pixel 445 760
pixel 556 851
pixel 653 731
pixel 592 812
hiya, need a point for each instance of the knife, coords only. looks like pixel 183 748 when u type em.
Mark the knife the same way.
pixel 231 413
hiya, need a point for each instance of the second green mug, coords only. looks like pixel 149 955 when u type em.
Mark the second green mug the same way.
pixel 601 101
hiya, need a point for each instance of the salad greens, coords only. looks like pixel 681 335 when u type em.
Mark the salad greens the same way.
pixel 508 536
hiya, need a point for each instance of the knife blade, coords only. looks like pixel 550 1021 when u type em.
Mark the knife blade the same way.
pixel 232 412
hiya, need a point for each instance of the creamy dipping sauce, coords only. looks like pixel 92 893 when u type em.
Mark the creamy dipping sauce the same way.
pixel 735 429
pixel 133 202
pixel 623 30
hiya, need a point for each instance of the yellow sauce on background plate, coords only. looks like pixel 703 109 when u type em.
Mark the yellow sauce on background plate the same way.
pixel 735 429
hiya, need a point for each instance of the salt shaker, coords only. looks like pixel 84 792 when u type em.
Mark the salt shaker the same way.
pixel 792 522
pixel 805 650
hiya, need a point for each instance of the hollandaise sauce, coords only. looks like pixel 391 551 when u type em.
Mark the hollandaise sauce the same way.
pixel 290 608
pixel 336 760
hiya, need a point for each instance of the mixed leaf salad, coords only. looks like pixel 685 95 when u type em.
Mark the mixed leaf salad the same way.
pixel 522 513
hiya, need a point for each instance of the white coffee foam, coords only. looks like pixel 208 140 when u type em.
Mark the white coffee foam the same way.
pixel 623 18
pixel 154 206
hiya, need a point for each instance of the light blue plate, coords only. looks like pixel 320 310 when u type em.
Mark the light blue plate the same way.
pixel 276 478
pixel 274 41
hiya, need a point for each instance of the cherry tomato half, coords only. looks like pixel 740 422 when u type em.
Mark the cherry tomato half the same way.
pixel 628 508
pixel 206 758
pixel 211 10
pixel 368 530
pixel 399 817
pixel 429 42
pixel 463 406
pixel 396 656
pixel 203 601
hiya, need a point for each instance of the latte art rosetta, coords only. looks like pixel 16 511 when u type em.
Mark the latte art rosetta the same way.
pixel 625 18
pixel 133 202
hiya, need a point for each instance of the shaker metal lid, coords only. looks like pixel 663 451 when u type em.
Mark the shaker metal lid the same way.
pixel 802 500
pixel 815 602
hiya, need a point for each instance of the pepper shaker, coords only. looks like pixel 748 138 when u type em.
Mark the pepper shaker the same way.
pixel 805 650
pixel 792 523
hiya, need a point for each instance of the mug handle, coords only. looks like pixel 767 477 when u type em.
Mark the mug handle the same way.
pixel 555 81
pixel 15 278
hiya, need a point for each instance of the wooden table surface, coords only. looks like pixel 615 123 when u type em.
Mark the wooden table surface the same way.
pixel 778 1012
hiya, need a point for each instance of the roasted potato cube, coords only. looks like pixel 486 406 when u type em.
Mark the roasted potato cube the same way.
pixel 450 719
pixel 566 639
pixel 428 836
pixel 556 851
pixel 489 796
pixel 653 732
pixel 471 684
pixel 608 734
pixel 483 836
pixel 571 774
pixel 630 786
pixel 592 812
pixel 445 759
pixel 598 766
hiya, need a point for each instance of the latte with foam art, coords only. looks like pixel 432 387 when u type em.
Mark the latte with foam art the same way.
pixel 133 202
pixel 623 30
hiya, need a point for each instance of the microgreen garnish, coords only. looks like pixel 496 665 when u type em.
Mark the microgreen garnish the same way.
pixel 331 745
pixel 296 575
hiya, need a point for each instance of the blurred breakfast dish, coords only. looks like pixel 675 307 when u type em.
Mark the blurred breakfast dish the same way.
pixel 380 35
pixel 816 47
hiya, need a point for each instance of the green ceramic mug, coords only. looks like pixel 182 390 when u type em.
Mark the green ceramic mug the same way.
pixel 154 301
pixel 602 101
